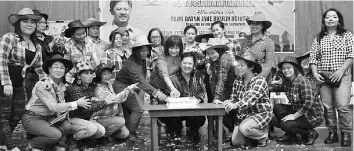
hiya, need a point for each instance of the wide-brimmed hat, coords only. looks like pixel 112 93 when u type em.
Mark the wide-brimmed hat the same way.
pixel 67 63
pixel 101 67
pixel 37 12
pixel 302 57
pixel 141 40
pixel 214 43
pixel 93 22
pixel 71 26
pixel 200 37
pixel 289 59
pixel 259 17
pixel 25 13
pixel 83 66
pixel 247 56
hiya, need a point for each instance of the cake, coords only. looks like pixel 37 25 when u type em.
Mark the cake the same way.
pixel 182 102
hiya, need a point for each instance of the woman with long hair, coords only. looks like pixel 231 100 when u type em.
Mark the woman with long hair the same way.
pixel 331 59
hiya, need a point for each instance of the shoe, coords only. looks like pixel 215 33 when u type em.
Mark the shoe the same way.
pixel 332 137
pixel 133 136
pixel 346 139
pixel 313 135
pixel 287 138
pixel 263 143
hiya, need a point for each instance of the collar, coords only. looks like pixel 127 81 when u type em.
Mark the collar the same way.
pixel 96 41
pixel 120 52
pixel 129 28
pixel 73 42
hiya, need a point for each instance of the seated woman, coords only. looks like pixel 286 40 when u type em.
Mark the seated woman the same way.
pixel 47 103
pixel 250 99
pixel 304 112
pixel 190 83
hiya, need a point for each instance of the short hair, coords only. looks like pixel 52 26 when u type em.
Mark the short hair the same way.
pixel 172 41
pixel 297 70
pixel 113 3
pixel 160 33
pixel 190 27
pixel 189 54
pixel 220 23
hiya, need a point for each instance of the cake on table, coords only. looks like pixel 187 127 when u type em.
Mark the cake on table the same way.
pixel 182 102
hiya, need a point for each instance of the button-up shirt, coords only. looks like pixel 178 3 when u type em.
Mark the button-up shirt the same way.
pixel 106 30
pixel 302 97
pixel 252 100
pixel 329 55
pixel 113 57
pixel 12 52
pixel 195 87
pixel 98 47
pixel 263 50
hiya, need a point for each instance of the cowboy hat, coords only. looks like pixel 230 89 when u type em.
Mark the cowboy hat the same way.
pixel 93 22
pixel 83 66
pixel 67 63
pixel 259 17
pixel 25 13
pixel 305 55
pixel 100 68
pixel 37 12
pixel 141 40
pixel 213 43
pixel 71 26
pixel 289 59
pixel 200 37
pixel 248 57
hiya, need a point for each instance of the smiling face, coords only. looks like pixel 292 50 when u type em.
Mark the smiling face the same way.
pixel 94 31
pixel 79 34
pixel 86 76
pixel 331 19
pixel 256 27
pixel 121 12
pixel 144 51
pixel 106 76
pixel 212 54
pixel 190 35
pixel 42 25
pixel 28 26
pixel 125 38
pixel 118 41
pixel 155 38
pixel 173 51
pixel 241 68
pixel 218 32
pixel 288 70
pixel 187 65
pixel 57 70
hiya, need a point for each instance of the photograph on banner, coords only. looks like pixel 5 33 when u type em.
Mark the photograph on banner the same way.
pixel 172 16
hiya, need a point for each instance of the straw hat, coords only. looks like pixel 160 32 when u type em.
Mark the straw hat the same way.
pixel 259 17
pixel 213 43
pixel 25 13
pixel 71 26
pixel 37 12
pixel 141 40
pixel 200 37
pixel 67 63
pixel 247 56
pixel 289 59
pixel 93 22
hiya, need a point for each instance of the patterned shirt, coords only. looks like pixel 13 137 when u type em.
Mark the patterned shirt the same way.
pixel 76 54
pixel 106 29
pixel 263 50
pixel 194 88
pixel 113 57
pixel 98 47
pixel 252 100
pixel 12 52
pixel 330 55
pixel 76 92
pixel 302 97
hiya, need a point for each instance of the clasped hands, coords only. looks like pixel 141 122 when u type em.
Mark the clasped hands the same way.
pixel 228 104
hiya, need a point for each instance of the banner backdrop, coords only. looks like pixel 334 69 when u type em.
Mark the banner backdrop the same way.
pixel 173 16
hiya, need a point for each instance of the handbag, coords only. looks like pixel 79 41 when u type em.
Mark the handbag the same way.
pixel 328 81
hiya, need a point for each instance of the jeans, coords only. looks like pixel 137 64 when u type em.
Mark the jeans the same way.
pixel 80 128
pixel 337 99
pixel 132 107
pixel 112 126
pixel 30 81
pixel 44 134
pixel 11 111
pixel 248 129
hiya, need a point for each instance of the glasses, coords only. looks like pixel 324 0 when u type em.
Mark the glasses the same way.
pixel 42 22
pixel 155 37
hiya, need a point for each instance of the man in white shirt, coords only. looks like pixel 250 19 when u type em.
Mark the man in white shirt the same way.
pixel 120 9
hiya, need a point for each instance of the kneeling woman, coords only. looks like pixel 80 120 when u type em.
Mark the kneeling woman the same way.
pixel 47 102
pixel 250 99
pixel 305 111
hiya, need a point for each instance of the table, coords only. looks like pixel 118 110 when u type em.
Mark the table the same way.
pixel 204 109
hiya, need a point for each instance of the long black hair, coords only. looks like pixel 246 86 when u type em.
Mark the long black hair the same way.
pixel 340 27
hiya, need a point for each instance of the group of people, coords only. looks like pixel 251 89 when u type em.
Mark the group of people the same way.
pixel 70 93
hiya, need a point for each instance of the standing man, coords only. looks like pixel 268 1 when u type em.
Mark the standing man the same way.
pixel 120 9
